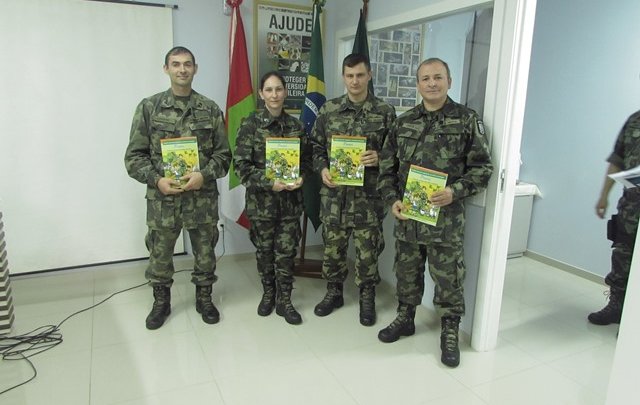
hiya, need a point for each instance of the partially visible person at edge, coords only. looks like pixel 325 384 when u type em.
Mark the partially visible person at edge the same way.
pixel 352 210
pixel 442 135
pixel 273 206
pixel 622 228
pixel 172 205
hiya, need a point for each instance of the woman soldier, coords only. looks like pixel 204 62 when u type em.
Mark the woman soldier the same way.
pixel 273 201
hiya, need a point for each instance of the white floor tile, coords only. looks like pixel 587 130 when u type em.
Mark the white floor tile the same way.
pixel 207 393
pixel 574 312
pixel 231 349
pixel 76 331
pixel 547 339
pixel 116 323
pixel 61 379
pixel 536 386
pixel 547 353
pixel 481 367
pixel 460 398
pixel 590 368
pixel 303 382
pixel 388 374
pixel 340 331
pixel 135 370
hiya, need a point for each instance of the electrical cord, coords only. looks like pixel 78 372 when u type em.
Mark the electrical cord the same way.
pixel 224 245
pixel 43 338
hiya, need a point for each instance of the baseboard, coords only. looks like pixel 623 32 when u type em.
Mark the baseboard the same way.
pixel 576 271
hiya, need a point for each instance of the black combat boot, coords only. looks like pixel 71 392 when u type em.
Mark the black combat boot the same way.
pixel 332 300
pixel 611 313
pixel 368 304
pixel 449 341
pixel 161 307
pixel 204 306
pixel 268 301
pixel 403 325
pixel 284 307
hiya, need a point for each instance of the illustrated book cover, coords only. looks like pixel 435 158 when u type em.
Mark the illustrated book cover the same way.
pixel 344 160
pixel 179 157
pixel 282 159
pixel 421 183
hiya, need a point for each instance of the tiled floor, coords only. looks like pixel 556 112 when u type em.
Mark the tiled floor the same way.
pixel 547 352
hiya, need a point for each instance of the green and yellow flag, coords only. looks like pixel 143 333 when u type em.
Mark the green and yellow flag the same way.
pixel 314 99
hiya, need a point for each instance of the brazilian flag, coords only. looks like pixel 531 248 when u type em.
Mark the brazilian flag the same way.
pixel 314 99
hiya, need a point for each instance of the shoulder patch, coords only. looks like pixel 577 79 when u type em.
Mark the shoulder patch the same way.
pixel 480 126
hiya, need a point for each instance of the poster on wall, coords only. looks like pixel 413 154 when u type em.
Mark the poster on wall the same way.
pixel 395 56
pixel 282 42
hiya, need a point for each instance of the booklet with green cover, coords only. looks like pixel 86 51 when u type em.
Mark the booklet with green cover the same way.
pixel 282 160
pixel 179 157
pixel 421 183
pixel 344 160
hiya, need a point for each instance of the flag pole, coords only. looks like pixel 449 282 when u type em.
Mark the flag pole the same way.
pixel 310 267
pixel 304 267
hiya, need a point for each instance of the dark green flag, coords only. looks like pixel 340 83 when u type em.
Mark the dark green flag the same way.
pixel 361 43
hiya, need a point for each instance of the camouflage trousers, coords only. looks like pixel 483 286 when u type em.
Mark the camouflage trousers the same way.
pixel 276 243
pixel 366 240
pixel 446 267
pixel 626 226
pixel 161 242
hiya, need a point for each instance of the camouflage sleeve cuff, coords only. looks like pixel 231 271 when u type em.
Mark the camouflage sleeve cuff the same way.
pixel 389 199
pixel 207 177
pixel 319 164
pixel 153 180
pixel 458 190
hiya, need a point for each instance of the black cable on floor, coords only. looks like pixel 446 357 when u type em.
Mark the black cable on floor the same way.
pixel 43 338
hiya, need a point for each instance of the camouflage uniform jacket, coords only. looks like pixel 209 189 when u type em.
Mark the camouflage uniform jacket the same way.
pixel 449 140
pixel 339 116
pixel 626 155
pixel 165 116
pixel 250 158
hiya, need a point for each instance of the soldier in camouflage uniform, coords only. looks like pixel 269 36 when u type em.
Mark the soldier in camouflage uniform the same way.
pixel 441 135
pixel 623 226
pixel 349 210
pixel 273 207
pixel 179 112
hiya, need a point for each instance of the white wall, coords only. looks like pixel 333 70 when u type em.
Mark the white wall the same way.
pixel 622 380
pixel 69 93
pixel 583 84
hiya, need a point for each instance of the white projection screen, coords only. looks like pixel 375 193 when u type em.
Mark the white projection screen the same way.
pixel 73 72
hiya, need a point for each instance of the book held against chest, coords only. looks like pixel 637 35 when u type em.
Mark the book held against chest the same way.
pixel 344 160
pixel 180 157
pixel 282 160
pixel 421 183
